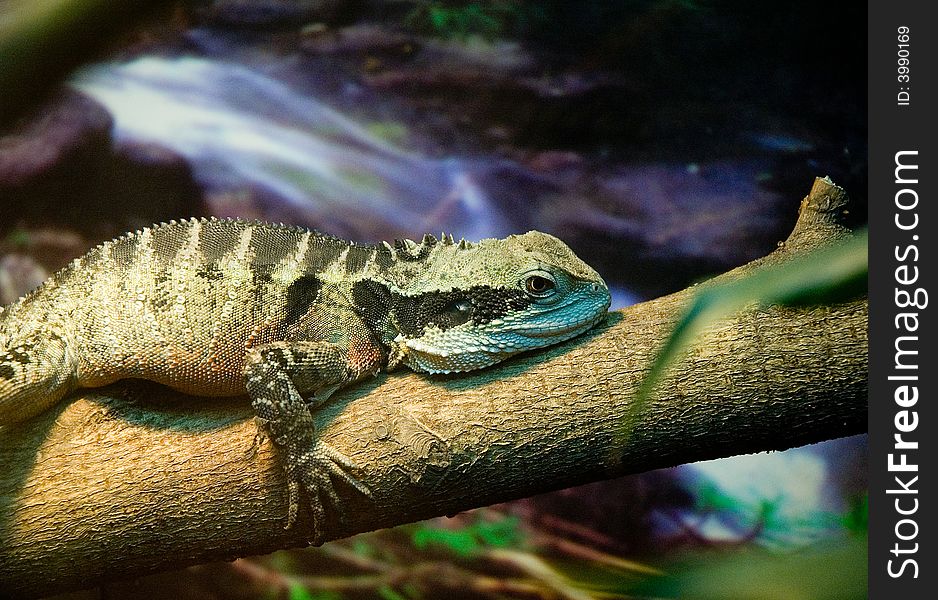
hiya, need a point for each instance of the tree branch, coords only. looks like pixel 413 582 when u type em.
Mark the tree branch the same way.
pixel 135 478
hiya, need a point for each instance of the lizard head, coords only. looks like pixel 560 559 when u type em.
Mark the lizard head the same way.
pixel 477 304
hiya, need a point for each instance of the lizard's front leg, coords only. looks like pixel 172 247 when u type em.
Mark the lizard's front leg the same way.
pixel 276 376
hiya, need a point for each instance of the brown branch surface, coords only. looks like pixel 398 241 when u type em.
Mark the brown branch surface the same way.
pixel 134 479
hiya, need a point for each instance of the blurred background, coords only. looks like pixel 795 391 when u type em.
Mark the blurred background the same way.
pixel 665 140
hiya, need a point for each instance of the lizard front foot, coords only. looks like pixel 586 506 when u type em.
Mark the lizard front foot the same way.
pixel 313 470
pixel 275 375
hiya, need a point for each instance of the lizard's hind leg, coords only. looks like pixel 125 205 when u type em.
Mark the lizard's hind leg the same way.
pixel 276 375
pixel 34 374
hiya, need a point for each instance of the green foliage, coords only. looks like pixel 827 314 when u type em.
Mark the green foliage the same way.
pixel 501 533
pixel 459 541
pixel 764 513
pixel 857 517
pixel 830 571
pixel 298 592
pixel 362 548
pixel 828 275
pixel 710 497
pixel 489 19
pixel 779 522
pixel 470 540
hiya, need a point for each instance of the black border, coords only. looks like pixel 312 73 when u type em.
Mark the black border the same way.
pixel 894 128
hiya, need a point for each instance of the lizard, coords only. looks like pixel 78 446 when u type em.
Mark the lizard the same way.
pixel 286 315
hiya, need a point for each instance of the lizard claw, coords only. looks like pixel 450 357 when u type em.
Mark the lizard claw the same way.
pixel 260 436
pixel 293 486
pixel 313 471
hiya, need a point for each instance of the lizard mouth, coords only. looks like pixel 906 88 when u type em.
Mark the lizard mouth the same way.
pixel 554 333
pixel 472 346
pixel 465 351
pixel 562 323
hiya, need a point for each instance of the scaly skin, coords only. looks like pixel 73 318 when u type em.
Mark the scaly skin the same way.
pixel 224 307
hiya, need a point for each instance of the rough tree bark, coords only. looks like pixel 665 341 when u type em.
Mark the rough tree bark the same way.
pixel 134 479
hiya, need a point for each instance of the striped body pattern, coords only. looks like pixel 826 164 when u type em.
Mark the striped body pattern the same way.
pixel 286 315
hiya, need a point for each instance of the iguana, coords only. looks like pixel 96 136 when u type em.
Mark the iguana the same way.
pixel 222 307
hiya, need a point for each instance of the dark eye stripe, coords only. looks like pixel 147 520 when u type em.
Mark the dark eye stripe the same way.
pixel 442 309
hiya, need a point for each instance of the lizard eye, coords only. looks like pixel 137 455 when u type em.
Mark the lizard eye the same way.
pixel 539 286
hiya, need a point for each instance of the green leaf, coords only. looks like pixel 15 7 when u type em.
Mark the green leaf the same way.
pixel 829 275
pixel 857 517
pixel 711 497
pixel 439 17
pixel 298 592
pixel 499 534
pixel 460 541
